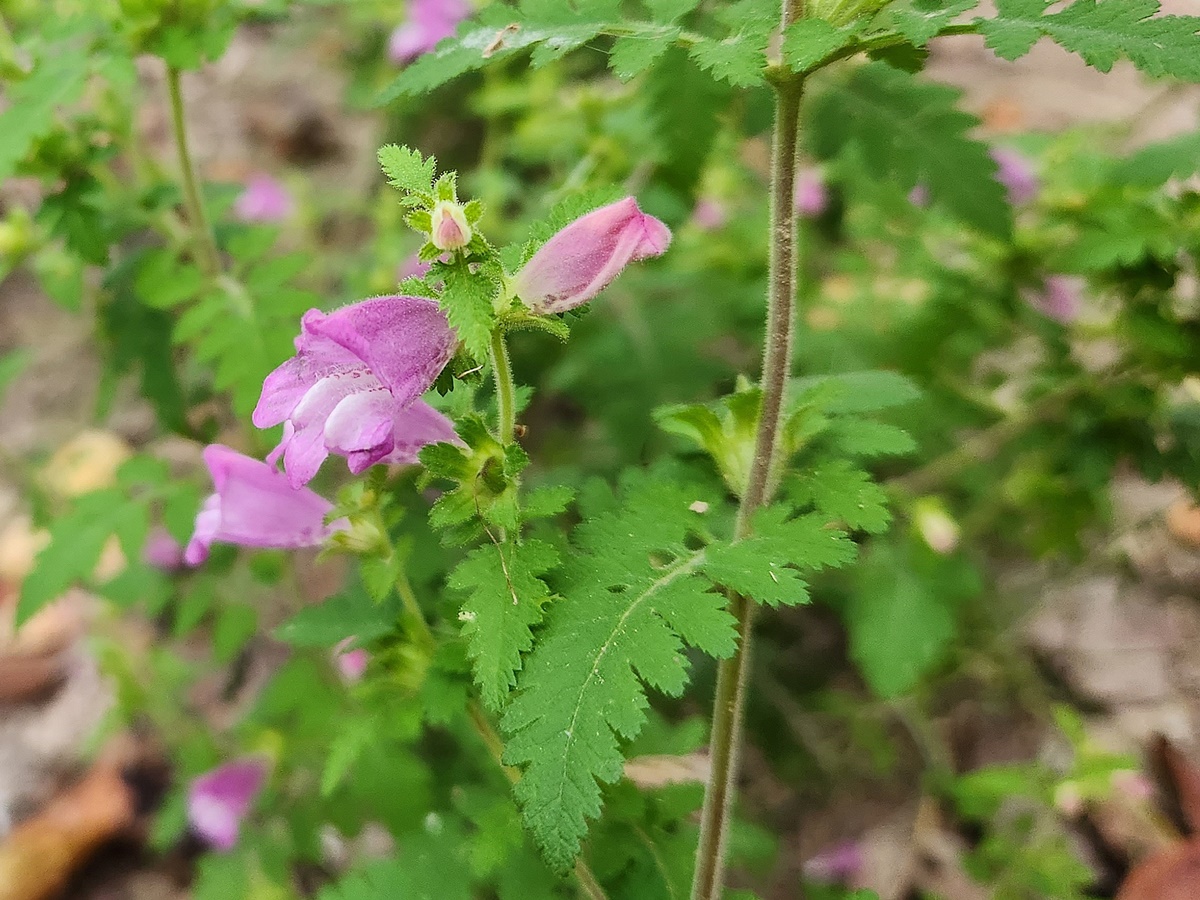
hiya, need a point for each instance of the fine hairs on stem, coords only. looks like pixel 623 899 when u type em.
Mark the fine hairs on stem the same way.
pixel 726 738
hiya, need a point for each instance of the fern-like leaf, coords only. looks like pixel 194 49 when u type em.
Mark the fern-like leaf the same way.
pixel 1102 32
pixel 634 595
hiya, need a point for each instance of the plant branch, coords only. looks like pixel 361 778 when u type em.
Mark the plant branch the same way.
pixel 505 392
pixel 726 738
pixel 202 235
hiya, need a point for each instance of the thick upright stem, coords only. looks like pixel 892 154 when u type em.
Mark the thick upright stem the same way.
pixel 505 392
pixel 726 739
pixel 202 235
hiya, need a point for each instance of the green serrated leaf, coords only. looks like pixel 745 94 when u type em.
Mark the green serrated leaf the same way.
pixel 631 56
pixel 1158 163
pixel 467 300
pixel 406 169
pixel 738 59
pixel 349 742
pixel 769 564
pixel 919 21
pixel 506 596
pixel 1102 32
pixel 898 627
pixel 841 492
pixel 670 10
pixel 909 132
pixel 866 437
pixel 807 42
pixel 631 593
pixel 57 79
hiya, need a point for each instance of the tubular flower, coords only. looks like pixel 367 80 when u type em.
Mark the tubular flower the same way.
pixel 354 386
pixel 218 800
pixel 254 506
pixel 428 22
pixel 1016 173
pixel 263 200
pixel 580 261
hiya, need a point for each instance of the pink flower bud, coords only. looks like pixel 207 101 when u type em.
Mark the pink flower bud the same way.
pixel 811 194
pixel 449 229
pixel 835 865
pixel 219 800
pixel 263 200
pixel 1060 297
pixel 351 661
pixel 709 215
pixel 1015 172
pixel 162 551
pixel 580 261
pixel 1132 784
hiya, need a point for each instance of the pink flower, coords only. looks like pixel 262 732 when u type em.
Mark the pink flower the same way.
pixel 428 22
pixel 1015 172
pixel 263 200
pixel 835 865
pixel 709 215
pixel 1059 298
pixel 811 195
pixel 162 551
pixel 351 662
pixel 919 195
pixel 580 261
pixel 254 506
pixel 449 229
pixel 354 386
pixel 218 800
pixel 412 267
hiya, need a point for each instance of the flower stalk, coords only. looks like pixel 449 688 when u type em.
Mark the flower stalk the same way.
pixel 202 234
pixel 726 737
pixel 506 402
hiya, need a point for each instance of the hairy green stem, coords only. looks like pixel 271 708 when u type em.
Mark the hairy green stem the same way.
pixel 726 737
pixel 505 392
pixel 202 235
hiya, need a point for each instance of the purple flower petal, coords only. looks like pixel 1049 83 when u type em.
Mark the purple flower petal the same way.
pixel 263 200
pixel 162 551
pixel 1015 172
pixel 412 267
pixel 415 427
pixel 836 864
pixel 428 22
pixel 219 800
pixel 582 259
pixel 709 215
pixel 355 371
pixel 1060 297
pixel 254 506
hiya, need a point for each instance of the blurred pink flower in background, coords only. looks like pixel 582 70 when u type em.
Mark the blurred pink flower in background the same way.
pixel 1060 297
pixel 583 258
pixel 412 267
pixel 218 800
pixel 835 865
pixel 427 23
pixel 351 661
pixel 811 195
pixel 254 506
pixel 709 214
pixel 1015 172
pixel 162 551
pixel 919 195
pixel 263 200
pixel 1132 784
